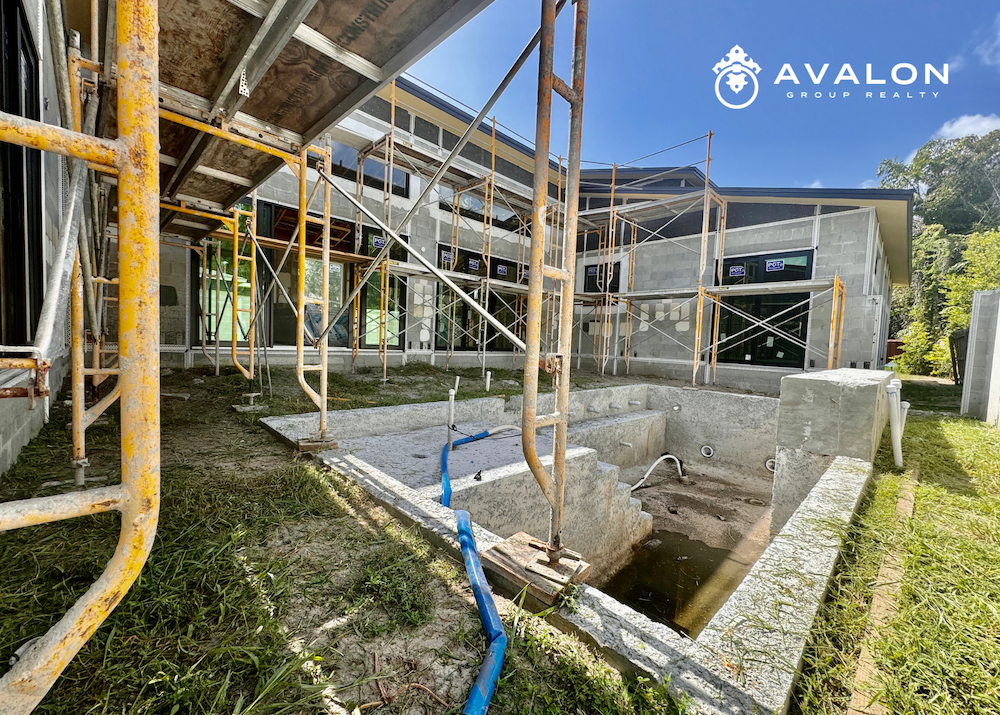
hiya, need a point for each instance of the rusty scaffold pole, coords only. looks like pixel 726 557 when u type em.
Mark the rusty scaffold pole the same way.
pixel 565 277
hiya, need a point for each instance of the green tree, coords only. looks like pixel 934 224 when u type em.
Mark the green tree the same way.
pixel 957 182
pixel 978 270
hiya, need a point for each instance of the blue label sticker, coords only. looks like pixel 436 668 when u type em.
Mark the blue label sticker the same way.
pixel 591 270
pixel 501 270
pixel 446 257
pixel 737 271
pixel 778 265
pixel 473 264
pixel 378 241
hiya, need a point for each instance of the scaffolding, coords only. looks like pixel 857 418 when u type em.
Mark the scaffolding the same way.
pixel 133 157
pixel 618 227
pixel 131 163
pixel 477 185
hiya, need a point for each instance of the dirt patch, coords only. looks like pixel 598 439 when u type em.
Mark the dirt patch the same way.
pixel 731 512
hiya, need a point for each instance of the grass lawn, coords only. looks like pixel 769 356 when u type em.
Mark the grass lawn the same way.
pixel 272 585
pixel 940 652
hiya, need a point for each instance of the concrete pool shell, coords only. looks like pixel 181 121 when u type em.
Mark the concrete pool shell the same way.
pixel 821 435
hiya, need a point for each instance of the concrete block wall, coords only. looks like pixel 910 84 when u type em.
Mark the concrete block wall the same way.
pixel 981 382
pixel 846 244
pixel 821 416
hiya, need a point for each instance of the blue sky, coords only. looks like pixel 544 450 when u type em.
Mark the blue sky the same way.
pixel 650 82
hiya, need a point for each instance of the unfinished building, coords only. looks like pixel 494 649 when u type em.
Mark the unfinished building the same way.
pixel 243 184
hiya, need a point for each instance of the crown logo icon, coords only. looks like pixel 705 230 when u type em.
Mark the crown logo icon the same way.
pixel 739 69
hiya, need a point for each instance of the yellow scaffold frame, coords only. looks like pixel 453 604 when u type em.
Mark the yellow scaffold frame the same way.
pixel 135 158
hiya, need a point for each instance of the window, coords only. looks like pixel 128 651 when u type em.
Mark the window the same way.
pixel 21 270
pixel 467 323
pixel 371 295
pixel 472 207
pixel 750 344
pixel 596 275
pixel 345 163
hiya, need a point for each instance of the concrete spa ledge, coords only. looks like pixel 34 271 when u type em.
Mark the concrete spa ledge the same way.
pixel 746 660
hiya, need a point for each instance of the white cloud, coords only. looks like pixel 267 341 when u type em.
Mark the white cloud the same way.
pixel 989 51
pixel 978 124
pixel 868 184
pixel 815 185
pixel 956 63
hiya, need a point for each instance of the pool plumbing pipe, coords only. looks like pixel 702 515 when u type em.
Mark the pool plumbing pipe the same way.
pixel 451 415
pixel 489 672
pixel 897 418
pixel 683 477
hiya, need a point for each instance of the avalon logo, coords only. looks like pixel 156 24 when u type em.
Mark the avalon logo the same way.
pixel 738 69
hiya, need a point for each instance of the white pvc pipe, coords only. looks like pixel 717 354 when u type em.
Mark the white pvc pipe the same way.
pixel 451 416
pixel 684 479
pixel 489 376
pixel 895 421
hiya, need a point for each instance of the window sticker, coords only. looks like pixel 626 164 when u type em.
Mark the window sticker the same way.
pixel 501 270
pixel 736 271
pixel 775 265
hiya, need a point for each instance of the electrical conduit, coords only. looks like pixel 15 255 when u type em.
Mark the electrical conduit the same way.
pixel 486 681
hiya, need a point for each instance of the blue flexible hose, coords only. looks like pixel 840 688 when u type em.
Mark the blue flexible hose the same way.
pixel 445 482
pixel 489 672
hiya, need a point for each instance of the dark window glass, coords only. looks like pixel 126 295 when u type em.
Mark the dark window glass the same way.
pixel 426 130
pixel 770 268
pixel 371 296
pixel 456 321
pixel 596 275
pixel 21 251
pixel 472 207
pixel 744 214
pixel 836 209
pixel 345 163
pixel 742 342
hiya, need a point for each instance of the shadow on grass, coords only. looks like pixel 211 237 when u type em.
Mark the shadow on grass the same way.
pixel 930 395
pixel 926 442
pixel 201 629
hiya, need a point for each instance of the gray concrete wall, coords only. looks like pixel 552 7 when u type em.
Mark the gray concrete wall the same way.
pixel 740 429
pixel 981 382
pixel 601 519
pixel 822 416
pixel 587 404
pixel 624 440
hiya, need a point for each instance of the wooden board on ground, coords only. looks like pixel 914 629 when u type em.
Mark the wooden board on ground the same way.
pixel 521 561
pixel 864 699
